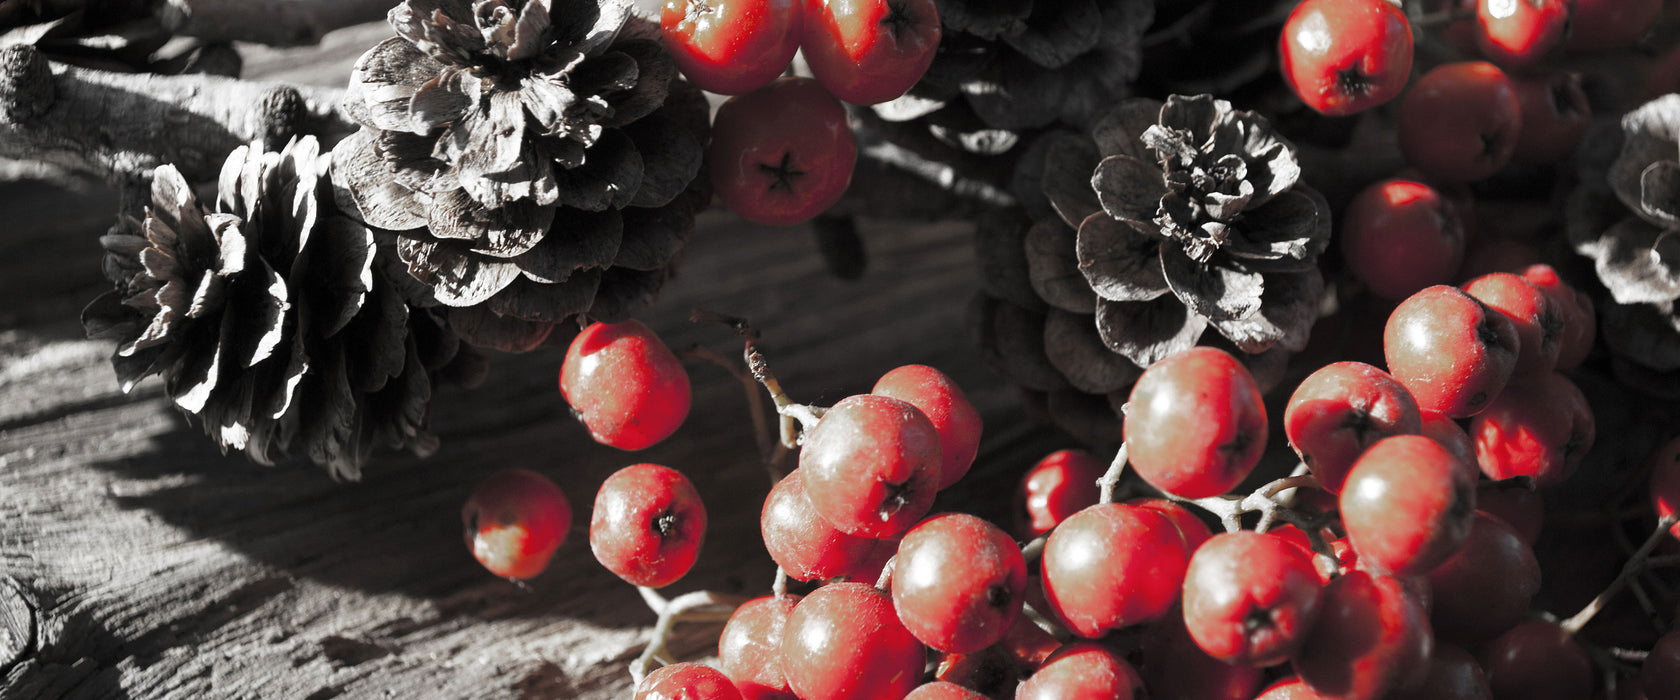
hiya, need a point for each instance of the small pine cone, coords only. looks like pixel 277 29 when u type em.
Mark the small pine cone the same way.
pixel 269 318
pixel 537 160
pixel 123 36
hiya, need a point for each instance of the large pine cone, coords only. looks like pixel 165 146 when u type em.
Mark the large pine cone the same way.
pixel 537 159
pixel 269 318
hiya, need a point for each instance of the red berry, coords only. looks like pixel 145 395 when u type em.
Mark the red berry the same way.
pixel 1452 352
pixel 1460 121
pixel 1194 530
pixel 1451 674
pixel 1290 688
pixel 1579 321
pixel 871 465
pixel 869 51
pixel 1540 427
pixel 1370 639
pixel 749 649
pixel 1346 56
pixel 1520 508
pixel 624 384
pixel 1083 671
pixel 1537 660
pixel 1250 599
pixel 731 46
pixel 1439 427
pixel 1609 24
pixel 1175 667
pixel 514 521
pixel 1484 588
pixel 685 681
pixel 1340 410
pixel 1113 565
pixel 1400 236
pixel 807 546
pixel 942 690
pixel 1061 484
pixel 648 525
pixel 1517 33
pixel 989 671
pixel 1408 505
pixel 958 582
pixel 1539 324
pixel 1665 481
pixel 1555 115
pixel 844 642
pixel 1660 674
pixel 945 405
pixel 781 154
pixel 1195 424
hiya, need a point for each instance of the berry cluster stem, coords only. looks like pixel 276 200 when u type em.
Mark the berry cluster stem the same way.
pixel 785 407
pixel 1111 478
pixel 697 606
pixel 1634 565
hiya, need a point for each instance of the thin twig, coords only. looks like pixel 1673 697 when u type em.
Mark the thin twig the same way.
pixel 779 588
pixel 1633 566
pixel 806 415
pixel 768 447
pixel 1111 478
pixel 884 581
pixel 698 606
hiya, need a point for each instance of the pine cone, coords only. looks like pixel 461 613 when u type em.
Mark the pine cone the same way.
pixel 1193 219
pixel 268 317
pixel 115 35
pixel 538 159
pixel 1626 217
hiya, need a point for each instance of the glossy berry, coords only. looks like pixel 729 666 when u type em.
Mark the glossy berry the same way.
pixel 648 525
pixel 781 154
pixel 844 642
pixel 1460 121
pixel 1540 427
pixel 1518 33
pixel 1369 640
pixel 1539 324
pixel 749 649
pixel 1250 599
pixel 1195 531
pixel 1064 482
pixel 1195 425
pixel 731 46
pixel 1665 480
pixel 1580 324
pixel 945 405
pixel 1596 25
pixel 989 671
pixel 807 546
pixel 686 681
pixel 1660 674
pixel 1439 427
pixel 514 521
pixel 1407 505
pixel 1346 56
pixel 1175 667
pixel 869 51
pixel 1451 674
pixel 871 465
pixel 1484 588
pixel 1555 115
pixel 942 690
pixel 1449 350
pixel 1537 660
pixel 958 582
pixel 1340 410
pixel 1289 688
pixel 1111 566
pixel 1399 236
pixel 1083 671
pixel 624 384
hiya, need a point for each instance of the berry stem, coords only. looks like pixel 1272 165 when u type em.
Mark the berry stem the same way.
pixel 806 415
pixel 697 606
pixel 1634 565
pixel 1111 478
pixel 768 450
pixel 779 588
pixel 884 581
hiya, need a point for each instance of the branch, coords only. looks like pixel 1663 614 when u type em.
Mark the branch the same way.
pixel 698 606
pixel 271 22
pixel 121 126
pixel 1635 564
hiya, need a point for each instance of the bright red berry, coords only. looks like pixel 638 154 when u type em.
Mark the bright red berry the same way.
pixel 749 649
pixel 648 525
pixel 1064 482
pixel 1369 640
pixel 1346 56
pixel 685 681
pixel 731 46
pixel 1113 565
pixel 1399 236
pixel 1537 660
pixel 869 51
pixel 1555 115
pixel 945 405
pixel 1540 427
pixel 807 546
pixel 1579 321
pixel 1341 409
pixel 844 642
pixel 1452 352
pixel 1408 504
pixel 514 521
pixel 1484 588
pixel 1460 121
pixel 1195 424
pixel 1439 427
pixel 1518 33
pixel 1539 324
pixel 624 384
pixel 1250 599
pixel 958 582
pixel 781 154
pixel 1290 688
pixel 871 465
pixel 942 690
pixel 1083 671
pixel 1194 530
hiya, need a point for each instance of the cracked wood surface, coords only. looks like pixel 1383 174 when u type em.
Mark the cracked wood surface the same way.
pixel 137 561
